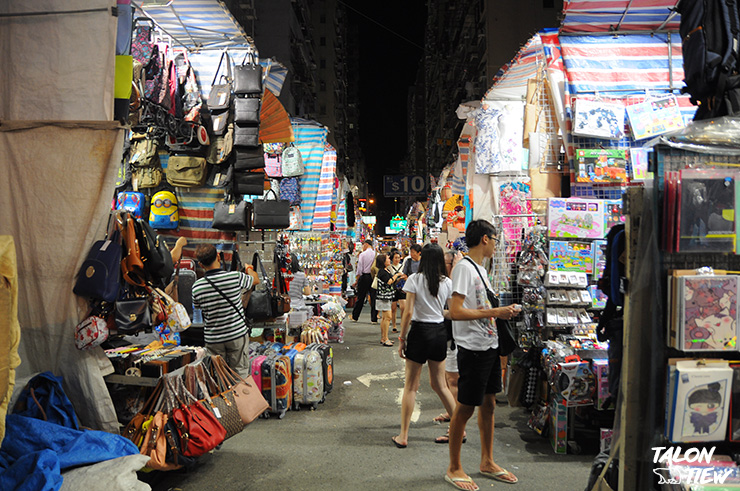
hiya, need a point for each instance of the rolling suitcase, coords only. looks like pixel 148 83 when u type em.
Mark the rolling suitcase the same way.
pixel 327 361
pixel 255 369
pixel 308 379
pixel 277 383
pixel 276 347
pixel 185 289
pixel 255 349
pixel 295 346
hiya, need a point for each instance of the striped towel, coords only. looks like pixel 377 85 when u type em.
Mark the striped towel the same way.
pixel 310 139
pixel 322 208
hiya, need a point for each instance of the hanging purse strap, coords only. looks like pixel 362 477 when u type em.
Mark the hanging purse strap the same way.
pixel 228 75
pixel 485 285
pixel 233 305
pixel 256 260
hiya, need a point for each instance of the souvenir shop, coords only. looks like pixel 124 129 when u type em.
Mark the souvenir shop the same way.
pixel 212 157
pixel 618 231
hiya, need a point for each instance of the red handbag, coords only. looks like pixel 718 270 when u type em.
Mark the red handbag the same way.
pixel 199 429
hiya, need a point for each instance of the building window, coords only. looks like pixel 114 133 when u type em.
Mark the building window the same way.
pixel 322 41
pixel 322 63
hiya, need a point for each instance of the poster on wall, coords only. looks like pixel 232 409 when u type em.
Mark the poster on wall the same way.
pixel 571 256
pixel 598 119
pixel 708 314
pixel 601 165
pixel 575 218
pixel 655 117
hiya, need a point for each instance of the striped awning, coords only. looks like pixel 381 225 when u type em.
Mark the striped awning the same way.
pixel 195 23
pixel 619 15
pixel 520 69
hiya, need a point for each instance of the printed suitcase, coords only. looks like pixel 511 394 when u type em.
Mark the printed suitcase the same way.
pixel 308 379
pixel 255 369
pixel 255 349
pixel 295 346
pixel 277 383
pixel 327 361
pixel 276 347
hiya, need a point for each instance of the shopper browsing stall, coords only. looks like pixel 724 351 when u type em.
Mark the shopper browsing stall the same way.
pixel 298 285
pixel 386 294
pixel 426 337
pixel 476 337
pixel 399 299
pixel 364 279
pixel 219 295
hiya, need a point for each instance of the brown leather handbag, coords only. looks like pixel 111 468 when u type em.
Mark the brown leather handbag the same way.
pixel 249 400
pixel 133 430
pixel 155 444
pixel 220 403
pixel 132 266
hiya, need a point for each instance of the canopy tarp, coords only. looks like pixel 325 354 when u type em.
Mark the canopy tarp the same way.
pixel 619 15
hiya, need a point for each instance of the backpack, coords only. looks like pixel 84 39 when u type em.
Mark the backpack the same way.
pixel 710 33
pixel 146 170
pixel 163 212
pixel 131 202
pixel 292 162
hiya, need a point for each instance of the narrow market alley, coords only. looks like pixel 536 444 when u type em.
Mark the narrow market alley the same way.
pixel 346 443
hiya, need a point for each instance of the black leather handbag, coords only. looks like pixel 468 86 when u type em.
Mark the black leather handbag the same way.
pixel 246 110
pixel 246 182
pixel 260 303
pixel 246 136
pixel 249 158
pixel 230 215
pixel 132 315
pixel 248 75
pixel 270 213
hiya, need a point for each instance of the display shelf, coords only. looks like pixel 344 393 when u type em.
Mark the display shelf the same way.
pixel 115 378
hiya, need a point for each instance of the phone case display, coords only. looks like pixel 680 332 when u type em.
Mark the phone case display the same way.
pixel 698 401
pixel 654 117
pixel 707 204
pixel 571 256
pixel 575 218
pixel 598 119
pixel 320 256
pixel 601 165
pixel 708 313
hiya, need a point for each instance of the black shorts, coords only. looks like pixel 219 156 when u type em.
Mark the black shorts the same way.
pixel 480 374
pixel 400 295
pixel 426 341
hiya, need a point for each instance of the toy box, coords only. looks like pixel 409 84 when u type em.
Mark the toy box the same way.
pixel 605 439
pixel 576 383
pixel 575 218
pixel 601 372
pixel 559 426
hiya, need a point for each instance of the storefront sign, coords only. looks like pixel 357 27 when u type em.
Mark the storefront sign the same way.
pixel 370 220
pixel 390 231
pixel 401 185
pixel 398 223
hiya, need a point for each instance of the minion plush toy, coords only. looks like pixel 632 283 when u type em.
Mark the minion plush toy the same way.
pixel 163 214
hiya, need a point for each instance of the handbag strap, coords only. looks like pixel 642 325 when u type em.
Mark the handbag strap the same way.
pixel 256 260
pixel 225 55
pixel 475 266
pixel 233 305
pixel 252 55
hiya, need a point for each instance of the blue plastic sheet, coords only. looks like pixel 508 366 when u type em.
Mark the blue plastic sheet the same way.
pixel 34 452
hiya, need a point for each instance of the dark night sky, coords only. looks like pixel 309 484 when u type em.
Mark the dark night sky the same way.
pixel 388 66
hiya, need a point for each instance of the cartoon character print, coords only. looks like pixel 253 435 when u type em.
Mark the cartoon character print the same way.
pixel 710 312
pixel 705 405
pixel 481 302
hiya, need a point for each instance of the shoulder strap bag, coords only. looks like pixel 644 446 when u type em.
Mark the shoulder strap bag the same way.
pixel 219 98
pixel 506 336
pixel 260 303
pixel 271 213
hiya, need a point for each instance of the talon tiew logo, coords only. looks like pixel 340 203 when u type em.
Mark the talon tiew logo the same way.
pixel 694 466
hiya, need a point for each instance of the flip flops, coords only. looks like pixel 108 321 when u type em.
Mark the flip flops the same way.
pixel 441 419
pixel 499 476
pixel 398 445
pixel 446 439
pixel 387 343
pixel 455 481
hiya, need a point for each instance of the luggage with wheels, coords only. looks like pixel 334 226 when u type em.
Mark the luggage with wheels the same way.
pixel 185 289
pixel 308 379
pixel 327 361
pixel 255 369
pixel 277 383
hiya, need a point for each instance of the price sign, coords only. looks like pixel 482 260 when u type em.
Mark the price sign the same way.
pixel 401 185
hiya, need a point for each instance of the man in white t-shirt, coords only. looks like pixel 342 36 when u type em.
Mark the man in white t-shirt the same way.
pixel 479 367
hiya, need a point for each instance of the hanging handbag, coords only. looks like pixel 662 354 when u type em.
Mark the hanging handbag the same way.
pixel 176 316
pixel 198 428
pixel 228 215
pixel 155 444
pixel 186 171
pixel 135 430
pixel 292 162
pixel 91 332
pixel 141 46
pixel 247 110
pixel 99 276
pixel 250 182
pixel 249 400
pixel 219 98
pixel 221 146
pixel 248 159
pixel 290 190
pixel 218 400
pixel 220 122
pixel 132 315
pixel 248 75
pixel 246 135
pixel 270 213
pixel 259 307
pixel 507 339
pixel 132 266
pixel 280 297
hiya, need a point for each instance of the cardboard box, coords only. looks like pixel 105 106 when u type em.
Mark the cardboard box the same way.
pixel 559 426
pixel 576 383
pixel 601 371
pixel 605 439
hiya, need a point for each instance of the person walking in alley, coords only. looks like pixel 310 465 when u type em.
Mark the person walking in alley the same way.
pixel 364 279
pixel 476 337
pixel 427 293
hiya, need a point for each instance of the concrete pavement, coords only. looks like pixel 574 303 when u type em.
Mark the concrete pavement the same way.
pixel 346 443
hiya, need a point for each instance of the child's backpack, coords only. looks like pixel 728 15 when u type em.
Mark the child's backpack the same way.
pixel 710 33
pixel 131 202
pixel 163 212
